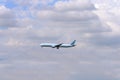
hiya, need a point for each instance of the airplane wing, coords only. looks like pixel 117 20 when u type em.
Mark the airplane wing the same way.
pixel 58 45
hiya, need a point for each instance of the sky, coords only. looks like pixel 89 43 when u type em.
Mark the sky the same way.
pixel 24 24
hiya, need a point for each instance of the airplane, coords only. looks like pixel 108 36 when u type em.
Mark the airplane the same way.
pixel 57 46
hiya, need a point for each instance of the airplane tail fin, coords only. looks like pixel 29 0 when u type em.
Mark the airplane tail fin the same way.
pixel 73 43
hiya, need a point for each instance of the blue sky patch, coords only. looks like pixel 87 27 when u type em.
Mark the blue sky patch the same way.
pixel 10 4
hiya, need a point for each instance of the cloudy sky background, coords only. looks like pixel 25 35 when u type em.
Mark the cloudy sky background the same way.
pixel 24 24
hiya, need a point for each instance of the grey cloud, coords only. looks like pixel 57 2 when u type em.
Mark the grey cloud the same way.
pixel 54 66
pixel 85 23
pixel 89 76
pixel 106 40
pixel 7 17
pixel 84 20
pixel 74 5
pixel 70 16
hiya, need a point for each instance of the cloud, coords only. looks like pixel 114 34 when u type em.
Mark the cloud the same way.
pixel 82 18
pixel 7 17
pixel 106 40
pixel 107 13
pixel 74 5
pixel 94 57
